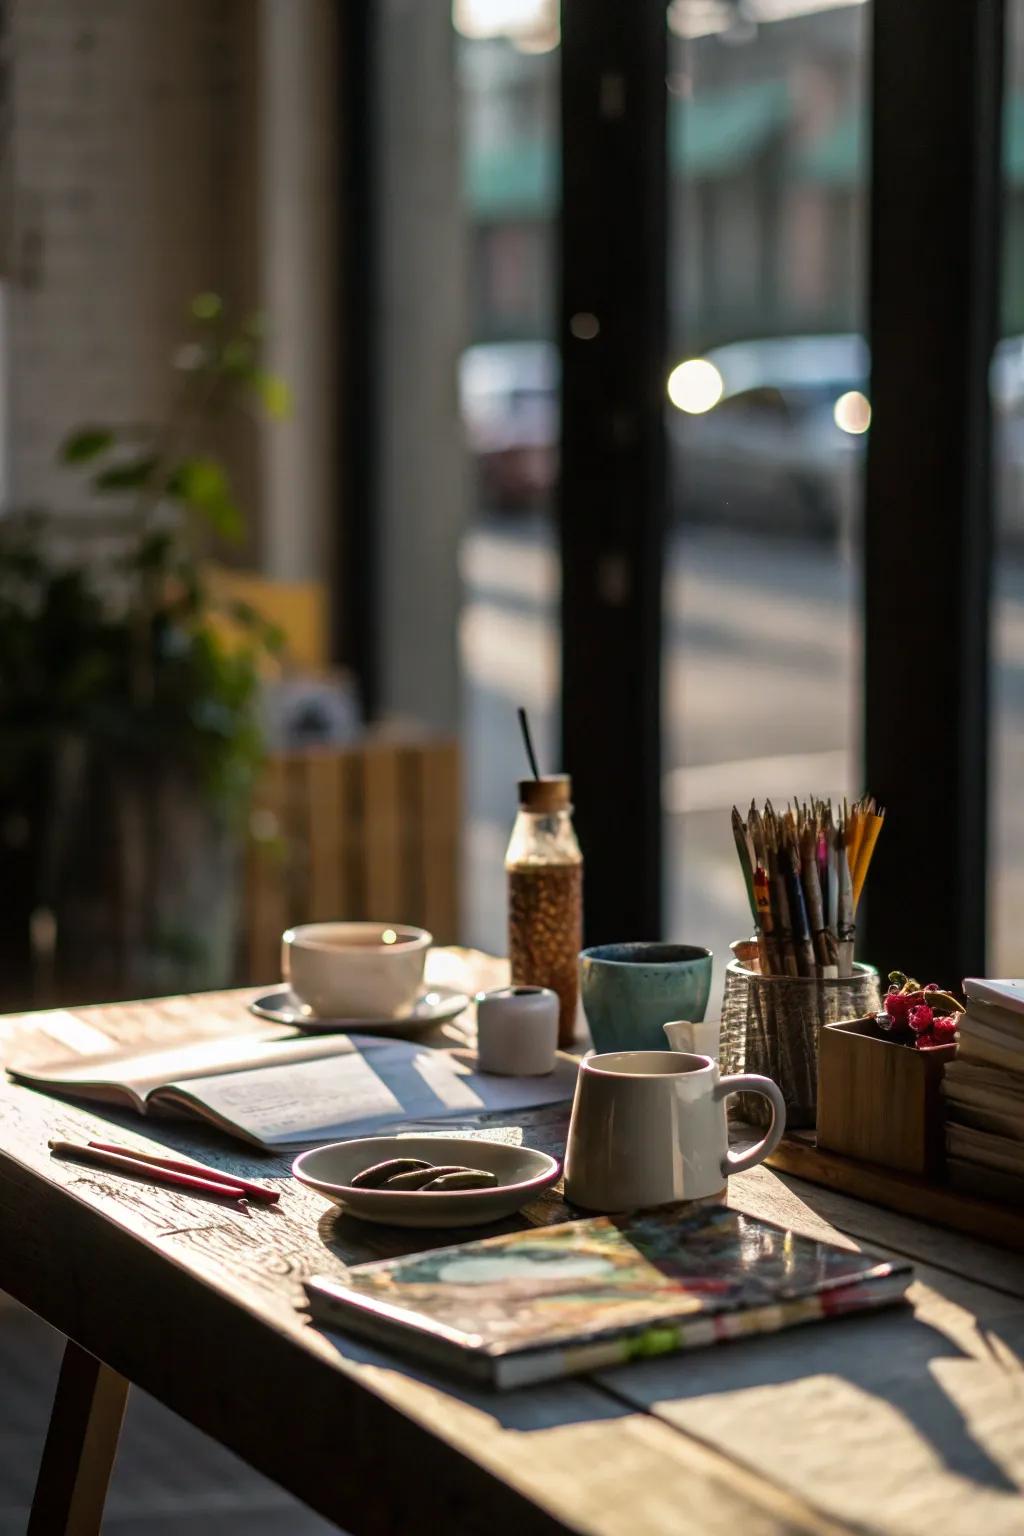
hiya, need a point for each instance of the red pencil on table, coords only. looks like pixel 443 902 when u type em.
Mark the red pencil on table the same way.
pixel 198 1170
pixel 127 1164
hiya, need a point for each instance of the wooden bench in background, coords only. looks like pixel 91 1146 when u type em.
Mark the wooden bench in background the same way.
pixel 366 831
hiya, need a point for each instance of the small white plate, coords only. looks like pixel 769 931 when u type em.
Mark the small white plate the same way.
pixel 435 1006
pixel 521 1172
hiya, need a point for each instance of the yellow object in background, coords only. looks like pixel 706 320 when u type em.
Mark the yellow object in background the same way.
pixel 298 608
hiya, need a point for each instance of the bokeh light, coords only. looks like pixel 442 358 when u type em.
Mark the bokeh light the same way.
pixel 695 386
pixel 852 412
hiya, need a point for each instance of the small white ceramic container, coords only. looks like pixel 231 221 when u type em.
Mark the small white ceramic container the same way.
pixel 649 1128
pixel 700 1039
pixel 517 1031
pixel 355 970
pixel 522 1174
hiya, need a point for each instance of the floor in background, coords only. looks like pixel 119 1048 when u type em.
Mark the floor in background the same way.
pixel 169 1480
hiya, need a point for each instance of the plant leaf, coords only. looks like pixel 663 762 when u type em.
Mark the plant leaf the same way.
pixel 85 444
pixel 202 484
pixel 244 613
pixel 127 476
pixel 274 638
pixel 255 326
pixel 274 393
pixel 207 306
pixel 238 357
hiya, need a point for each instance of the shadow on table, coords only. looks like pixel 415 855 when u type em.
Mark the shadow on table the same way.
pixel 849 1348
pixel 548 1405
pixel 887 1358
pixel 358 1242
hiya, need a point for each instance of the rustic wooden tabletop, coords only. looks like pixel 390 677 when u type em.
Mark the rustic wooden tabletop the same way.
pixel 906 1422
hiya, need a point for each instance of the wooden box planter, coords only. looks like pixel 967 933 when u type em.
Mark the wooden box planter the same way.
pixel 879 1100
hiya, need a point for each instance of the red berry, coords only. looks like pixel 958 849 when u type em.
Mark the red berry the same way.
pixel 920 1018
pixel 927 1040
pixel 945 1028
pixel 896 1006
pixel 932 986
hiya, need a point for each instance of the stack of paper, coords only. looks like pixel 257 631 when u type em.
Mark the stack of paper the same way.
pixel 984 1090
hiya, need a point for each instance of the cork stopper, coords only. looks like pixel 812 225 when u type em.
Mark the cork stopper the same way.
pixel 552 792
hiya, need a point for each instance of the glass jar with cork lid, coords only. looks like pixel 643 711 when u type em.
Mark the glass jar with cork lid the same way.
pixel 545 895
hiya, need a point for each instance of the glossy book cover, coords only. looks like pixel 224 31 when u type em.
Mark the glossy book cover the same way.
pixel 551 1301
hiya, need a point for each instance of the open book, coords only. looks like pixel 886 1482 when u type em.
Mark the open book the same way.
pixel 283 1090
pixel 554 1301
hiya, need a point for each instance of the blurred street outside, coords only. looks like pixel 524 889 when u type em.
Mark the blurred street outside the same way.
pixel 761 699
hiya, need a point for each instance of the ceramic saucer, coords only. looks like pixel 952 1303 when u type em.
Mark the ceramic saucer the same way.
pixel 435 1006
pixel 522 1174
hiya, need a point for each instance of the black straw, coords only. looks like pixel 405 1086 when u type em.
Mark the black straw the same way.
pixel 524 726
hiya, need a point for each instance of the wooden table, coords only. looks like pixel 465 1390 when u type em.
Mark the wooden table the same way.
pixel 911 1421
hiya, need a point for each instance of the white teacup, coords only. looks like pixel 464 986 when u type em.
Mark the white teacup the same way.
pixel 355 970
pixel 649 1128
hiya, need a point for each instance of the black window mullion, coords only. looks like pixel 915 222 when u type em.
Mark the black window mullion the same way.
pixel 612 327
pixel 936 199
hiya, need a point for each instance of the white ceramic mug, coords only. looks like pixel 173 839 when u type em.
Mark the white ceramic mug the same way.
pixel 649 1128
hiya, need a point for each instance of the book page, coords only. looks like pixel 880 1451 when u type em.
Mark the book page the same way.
pixel 141 1072
pixel 375 1084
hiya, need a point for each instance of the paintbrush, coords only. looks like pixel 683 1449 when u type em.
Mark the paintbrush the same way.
pixel 832 931
pixel 765 946
pixel 780 901
pixel 756 826
pixel 802 945
pixel 812 893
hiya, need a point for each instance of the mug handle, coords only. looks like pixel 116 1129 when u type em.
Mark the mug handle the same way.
pixel 751 1082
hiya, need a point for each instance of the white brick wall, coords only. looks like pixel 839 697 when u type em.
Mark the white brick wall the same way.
pixel 132 163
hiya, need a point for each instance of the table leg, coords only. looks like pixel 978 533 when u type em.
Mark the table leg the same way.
pixel 81 1444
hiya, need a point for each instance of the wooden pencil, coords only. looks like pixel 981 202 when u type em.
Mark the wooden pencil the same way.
pixel 739 833
pixel 845 919
pixel 865 852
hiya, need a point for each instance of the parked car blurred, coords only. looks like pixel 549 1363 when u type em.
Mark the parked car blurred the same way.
pixel 769 433
pixel 1007 387
pixel 772 433
pixel 509 398
pixel 764 434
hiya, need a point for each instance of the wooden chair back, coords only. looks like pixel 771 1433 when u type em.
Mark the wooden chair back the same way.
pixel 366 831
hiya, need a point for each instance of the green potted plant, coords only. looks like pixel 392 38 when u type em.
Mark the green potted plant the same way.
pixel 129 702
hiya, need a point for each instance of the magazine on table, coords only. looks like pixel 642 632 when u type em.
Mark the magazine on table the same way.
pixel 555 1301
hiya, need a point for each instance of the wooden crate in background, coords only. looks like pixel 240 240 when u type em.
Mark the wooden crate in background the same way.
pixel 367 831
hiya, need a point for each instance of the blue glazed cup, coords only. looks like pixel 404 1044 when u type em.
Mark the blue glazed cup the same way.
pixel 630 990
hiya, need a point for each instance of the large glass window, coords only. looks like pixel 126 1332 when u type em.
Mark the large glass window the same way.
pixel 767 411
pixel 507 71
pixel 1006 897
